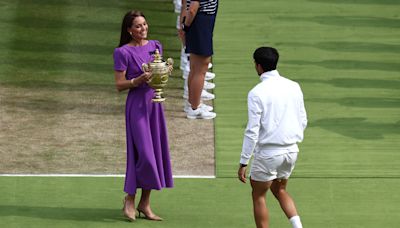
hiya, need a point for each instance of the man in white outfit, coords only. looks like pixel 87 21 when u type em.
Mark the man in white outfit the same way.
pixel 276 122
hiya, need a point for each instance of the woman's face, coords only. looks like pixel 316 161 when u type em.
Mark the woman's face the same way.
pixel 139 28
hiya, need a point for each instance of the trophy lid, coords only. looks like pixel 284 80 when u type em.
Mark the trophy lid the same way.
pixel 157 57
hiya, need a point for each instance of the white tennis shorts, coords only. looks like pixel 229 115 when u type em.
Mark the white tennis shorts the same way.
pixel 267 168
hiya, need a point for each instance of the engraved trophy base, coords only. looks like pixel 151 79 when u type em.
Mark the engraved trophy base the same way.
pixel 157 97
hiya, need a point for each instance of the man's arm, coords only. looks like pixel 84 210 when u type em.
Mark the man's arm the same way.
pixel 251 134
pixel 303 113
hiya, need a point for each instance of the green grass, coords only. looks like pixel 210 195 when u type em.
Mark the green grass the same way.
pixel 63 44
pixel 345 55
pixel 57 92
pixel 222 202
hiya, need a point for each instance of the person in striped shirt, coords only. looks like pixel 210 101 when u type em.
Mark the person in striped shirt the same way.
pixel 197 28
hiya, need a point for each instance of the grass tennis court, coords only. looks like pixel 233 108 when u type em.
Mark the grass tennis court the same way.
pixel 345 54
pixel 221 202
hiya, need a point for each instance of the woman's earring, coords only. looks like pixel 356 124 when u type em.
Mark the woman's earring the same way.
pixel 130 33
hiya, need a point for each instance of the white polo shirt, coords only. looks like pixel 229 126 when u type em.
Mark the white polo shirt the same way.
pixel 277 117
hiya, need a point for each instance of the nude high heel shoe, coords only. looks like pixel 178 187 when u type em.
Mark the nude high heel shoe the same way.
pixel 149 217
pixel 126 214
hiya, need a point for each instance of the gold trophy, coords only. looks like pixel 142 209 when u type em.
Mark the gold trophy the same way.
pixel 161 72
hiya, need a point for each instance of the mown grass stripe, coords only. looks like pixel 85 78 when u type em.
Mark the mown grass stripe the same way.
pixel 343 55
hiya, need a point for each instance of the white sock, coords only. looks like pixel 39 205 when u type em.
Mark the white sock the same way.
pixel 296 223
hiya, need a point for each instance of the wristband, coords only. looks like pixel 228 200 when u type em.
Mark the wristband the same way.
pixel 242 165
pixel 132 80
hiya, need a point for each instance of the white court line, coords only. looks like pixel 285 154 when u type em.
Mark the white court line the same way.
pixel 96 175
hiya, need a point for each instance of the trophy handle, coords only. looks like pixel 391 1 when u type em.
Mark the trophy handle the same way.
pixel 170 64
pixel 170 61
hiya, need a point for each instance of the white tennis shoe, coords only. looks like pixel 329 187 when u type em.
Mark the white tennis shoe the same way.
pixel 200 113
pixel 204 95
pixel 187 107
pixel 208 85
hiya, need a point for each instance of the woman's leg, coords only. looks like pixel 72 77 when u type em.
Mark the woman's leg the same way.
pixel 144 203
pixel 144 206
pixel 198 70
pixel 129 207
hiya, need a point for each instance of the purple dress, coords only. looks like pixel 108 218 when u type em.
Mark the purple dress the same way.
pixel 148 162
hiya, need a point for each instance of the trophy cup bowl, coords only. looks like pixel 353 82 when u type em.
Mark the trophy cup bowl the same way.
pixel 160 74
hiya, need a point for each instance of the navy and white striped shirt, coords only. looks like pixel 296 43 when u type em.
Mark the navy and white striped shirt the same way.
pixel 206 6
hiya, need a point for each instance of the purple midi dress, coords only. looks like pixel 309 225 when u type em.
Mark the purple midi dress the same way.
pixel 148 161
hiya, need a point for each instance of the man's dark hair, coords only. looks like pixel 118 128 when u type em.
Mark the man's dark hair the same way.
pixel 267 57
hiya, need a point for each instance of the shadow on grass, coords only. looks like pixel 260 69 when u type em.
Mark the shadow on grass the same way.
pixel 143 5
pixel 59 24
pixel 90 105
pixel 348 21
pixel 37 46
pixel 349 64
pixel 104 50
pixel 57 65
pixel 343 46
pixel 60 86
pixel 172 88
pixel 50 106
pixel 357 127
pixel 361 2
pixel 63 213
pixel 362 102
pixel 357 83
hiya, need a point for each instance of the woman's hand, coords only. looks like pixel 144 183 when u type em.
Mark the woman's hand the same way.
pixel 144 78
pixel 170 69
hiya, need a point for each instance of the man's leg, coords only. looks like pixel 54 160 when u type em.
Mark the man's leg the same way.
pixel 259 202
pixel 278 188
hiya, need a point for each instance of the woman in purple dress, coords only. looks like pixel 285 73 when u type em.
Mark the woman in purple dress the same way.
pixel 148 162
